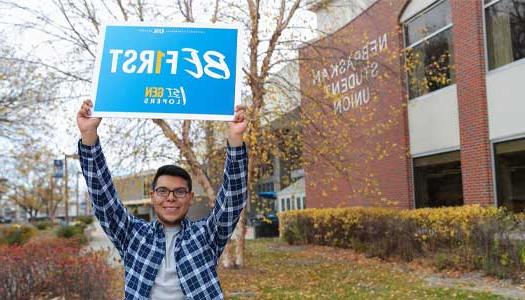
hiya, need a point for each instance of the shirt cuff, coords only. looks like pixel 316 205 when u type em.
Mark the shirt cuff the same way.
pixel 236 153
pixel 91 151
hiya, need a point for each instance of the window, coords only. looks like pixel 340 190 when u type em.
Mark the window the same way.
pixel 288 204
pixel 510 174
pixel 505 29
pixel 146 187
pixel 298 199
pixel 282 204
pixel 429 62
pixel 438 180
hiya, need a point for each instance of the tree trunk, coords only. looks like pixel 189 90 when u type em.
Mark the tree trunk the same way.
pixel 228 255
pixel 239 249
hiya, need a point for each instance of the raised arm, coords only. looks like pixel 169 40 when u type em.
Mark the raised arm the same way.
pixel 108 209
pixel 233 193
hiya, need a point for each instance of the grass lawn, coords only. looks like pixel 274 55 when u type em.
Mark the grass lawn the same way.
pixel 275 270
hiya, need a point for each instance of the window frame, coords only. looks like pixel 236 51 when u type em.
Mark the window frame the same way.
pixel 484 7
pixel 495 164
pixel 406 47
pixel 433 159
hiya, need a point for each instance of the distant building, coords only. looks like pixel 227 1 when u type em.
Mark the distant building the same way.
pixel 292 198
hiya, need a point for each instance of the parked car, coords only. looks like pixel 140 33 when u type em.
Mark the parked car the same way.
pixel 5 220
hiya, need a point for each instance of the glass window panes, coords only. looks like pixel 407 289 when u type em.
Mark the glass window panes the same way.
pixel 429 60
pixel 438 181
pixel 510 174
pixel 505 29
pixel 430 65
pixel 427 23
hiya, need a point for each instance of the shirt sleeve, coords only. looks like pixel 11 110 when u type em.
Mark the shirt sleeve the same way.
pixel 231 198
pixel 111 213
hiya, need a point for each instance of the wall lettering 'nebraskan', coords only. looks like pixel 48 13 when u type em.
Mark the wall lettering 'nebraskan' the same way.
pixel 348 78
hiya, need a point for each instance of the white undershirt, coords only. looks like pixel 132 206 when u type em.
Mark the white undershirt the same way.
pixel 167 285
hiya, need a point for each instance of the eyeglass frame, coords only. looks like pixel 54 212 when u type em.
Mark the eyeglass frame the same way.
pixel 180 189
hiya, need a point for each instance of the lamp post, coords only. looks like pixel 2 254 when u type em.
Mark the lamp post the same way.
pixel 3 190
pixel 76 194
pixel 66 190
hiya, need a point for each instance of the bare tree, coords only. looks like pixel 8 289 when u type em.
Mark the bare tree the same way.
pixel 24 89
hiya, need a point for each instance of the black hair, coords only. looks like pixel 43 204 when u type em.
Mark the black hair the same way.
pixel 172 170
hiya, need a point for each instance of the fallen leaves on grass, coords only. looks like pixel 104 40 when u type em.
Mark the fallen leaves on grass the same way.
pixel 277 271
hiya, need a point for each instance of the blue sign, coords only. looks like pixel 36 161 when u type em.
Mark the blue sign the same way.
pixel 187 71
pixel 58 165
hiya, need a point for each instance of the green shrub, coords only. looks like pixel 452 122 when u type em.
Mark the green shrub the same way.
pixel 446 260
pixel 72 231
pixel 297 230
pixel 16 234
pixel 43 225
pixel 498 246
pixel 85 219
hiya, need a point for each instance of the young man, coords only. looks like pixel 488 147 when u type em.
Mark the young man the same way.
pixel 172 257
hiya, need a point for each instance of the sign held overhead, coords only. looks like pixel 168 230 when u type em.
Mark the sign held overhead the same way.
pixel 185 71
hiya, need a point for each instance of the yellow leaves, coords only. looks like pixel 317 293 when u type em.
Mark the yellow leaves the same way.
pixel 447 221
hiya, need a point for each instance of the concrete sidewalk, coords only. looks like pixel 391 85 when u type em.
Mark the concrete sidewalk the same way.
pixel 99 241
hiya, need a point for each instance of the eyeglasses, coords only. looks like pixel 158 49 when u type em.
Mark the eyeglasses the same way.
pixel 164 193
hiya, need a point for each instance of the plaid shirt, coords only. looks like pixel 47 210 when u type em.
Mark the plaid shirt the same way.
pixel 142 245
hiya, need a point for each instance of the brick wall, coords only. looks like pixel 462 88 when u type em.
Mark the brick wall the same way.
pixel 468 39
pixel 356 134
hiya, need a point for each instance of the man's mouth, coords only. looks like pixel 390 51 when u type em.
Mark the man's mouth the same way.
pixel 171 208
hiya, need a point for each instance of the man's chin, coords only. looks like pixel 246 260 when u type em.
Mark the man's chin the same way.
pixel 166 221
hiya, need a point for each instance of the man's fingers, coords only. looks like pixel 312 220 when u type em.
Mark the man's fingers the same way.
pixel 239 116
pixel 85 109
pixel 87 104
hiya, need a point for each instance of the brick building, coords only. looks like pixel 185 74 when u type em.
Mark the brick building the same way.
pixel 415 104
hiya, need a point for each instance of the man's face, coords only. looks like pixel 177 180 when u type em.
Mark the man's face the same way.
pixel 171 199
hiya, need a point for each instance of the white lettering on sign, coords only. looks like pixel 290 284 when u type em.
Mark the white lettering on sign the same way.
pixel 151 62
pixel 350 74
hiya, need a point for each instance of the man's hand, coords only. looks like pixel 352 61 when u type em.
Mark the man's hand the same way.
pixel 86 124
pixel 237 127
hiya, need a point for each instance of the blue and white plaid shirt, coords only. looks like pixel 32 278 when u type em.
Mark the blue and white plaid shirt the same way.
pixel 142 245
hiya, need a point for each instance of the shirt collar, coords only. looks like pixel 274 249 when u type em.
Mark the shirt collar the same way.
pixel 160 228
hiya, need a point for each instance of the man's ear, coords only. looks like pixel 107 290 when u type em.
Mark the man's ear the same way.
pixel 151 194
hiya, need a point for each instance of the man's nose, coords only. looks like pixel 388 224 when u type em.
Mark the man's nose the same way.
pixel 171 196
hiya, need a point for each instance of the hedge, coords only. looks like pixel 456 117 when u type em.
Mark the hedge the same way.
pixel 16 234
pixel 475 237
